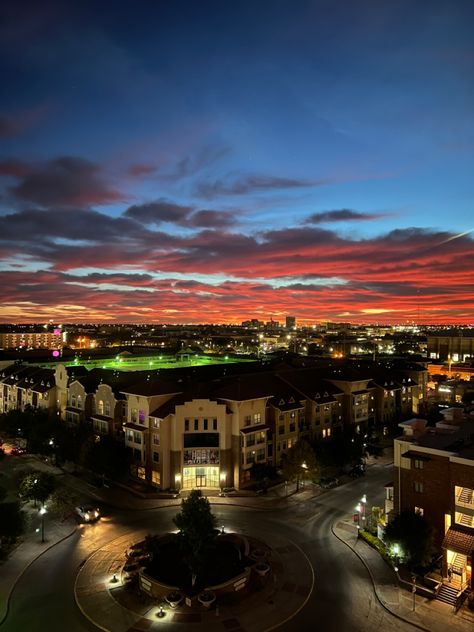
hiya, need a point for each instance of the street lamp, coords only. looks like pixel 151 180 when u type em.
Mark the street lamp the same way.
pixel 177 482
pixel 42 512
pixel 35 482
pixel 304 467
pixel 223 477
pixel 363 500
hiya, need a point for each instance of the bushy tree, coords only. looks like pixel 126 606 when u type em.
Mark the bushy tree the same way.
pixel 62 502
pixel 32 424
pixel 37 486
pixel 12 522
pixel 414 537
pixel 299 462
pixel 197 531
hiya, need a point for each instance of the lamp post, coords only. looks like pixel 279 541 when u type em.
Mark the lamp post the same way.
pixel 363 501
pixel 35 482
pixel 177 482
pixel 223 479
pixel 42 512
pixel 304 467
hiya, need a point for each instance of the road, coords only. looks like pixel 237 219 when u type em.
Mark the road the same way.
pixel 342 599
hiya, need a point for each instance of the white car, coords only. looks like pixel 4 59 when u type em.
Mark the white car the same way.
pixel 87 513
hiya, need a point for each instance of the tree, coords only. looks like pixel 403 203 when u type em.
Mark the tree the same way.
pixel 414 537
pixel 197 531
pixel 62 502
pixel 299 462
pixel 12 523
pixel 37 486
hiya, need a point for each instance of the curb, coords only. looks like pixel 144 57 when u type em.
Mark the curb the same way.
pixel 48 548
pixel 381 602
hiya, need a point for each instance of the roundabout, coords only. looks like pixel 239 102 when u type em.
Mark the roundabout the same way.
pixel 282 581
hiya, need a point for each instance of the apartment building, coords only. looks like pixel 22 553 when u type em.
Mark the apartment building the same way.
pixel 31 340
pixel 202 428
pixel 434 476
pixel 27 386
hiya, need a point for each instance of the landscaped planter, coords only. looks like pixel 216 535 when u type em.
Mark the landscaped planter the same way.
pixel 207 598
pixel 174 598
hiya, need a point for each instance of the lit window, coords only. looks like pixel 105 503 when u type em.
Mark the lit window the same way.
pixel 419 510
pixel 418 464
pixel 418 487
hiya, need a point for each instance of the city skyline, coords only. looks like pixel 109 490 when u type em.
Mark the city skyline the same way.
pixel 214 162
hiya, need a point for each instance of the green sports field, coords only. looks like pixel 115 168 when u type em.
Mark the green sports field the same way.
pixel 125 363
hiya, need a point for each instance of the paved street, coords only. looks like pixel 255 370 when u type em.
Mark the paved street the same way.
pixel 342 597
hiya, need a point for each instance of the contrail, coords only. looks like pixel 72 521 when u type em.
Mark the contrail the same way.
pixel 456 236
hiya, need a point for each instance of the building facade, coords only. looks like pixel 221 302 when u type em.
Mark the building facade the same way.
pixel 434 476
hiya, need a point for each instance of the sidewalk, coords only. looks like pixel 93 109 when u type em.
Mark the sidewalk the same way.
pixel 429 615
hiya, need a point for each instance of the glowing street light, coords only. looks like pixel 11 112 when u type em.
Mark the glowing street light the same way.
pixel 42 512
pixel 223 479
pixel 177 482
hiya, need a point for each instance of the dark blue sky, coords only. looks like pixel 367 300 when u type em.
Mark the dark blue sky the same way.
pixel 272 156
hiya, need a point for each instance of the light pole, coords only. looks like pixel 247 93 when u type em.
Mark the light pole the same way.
pixel 363 500
pixel 223 478
pixel 304 467
pixel 42 512
pixel 177 482
pixel 35 482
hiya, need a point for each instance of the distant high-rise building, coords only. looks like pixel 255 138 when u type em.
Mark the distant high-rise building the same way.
pixel 290 322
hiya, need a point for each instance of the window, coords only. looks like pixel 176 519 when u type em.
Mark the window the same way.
pixel 196 424
pixel 156 439
pixel 156 457
pixel 247 420
pixel 107 409
pixel 73 401
pixel 205 424
pixel 137 437
pixel 100 407
pixel 257 418
pixel 141 416
pixel 418 487
pixel 418 464
pixel 419 510
pixel 261 455
pixel 156 424
pixel 79 401
pixel 134 415
pixel 281 429
pixel 186 425
pixel 214 424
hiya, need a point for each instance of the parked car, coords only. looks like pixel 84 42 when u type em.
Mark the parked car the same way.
pixel 328 482
pixel 87 513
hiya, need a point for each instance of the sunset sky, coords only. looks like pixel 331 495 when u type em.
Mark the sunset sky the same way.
pixel 214 161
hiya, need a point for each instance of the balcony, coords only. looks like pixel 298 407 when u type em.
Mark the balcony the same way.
pixel 464 497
